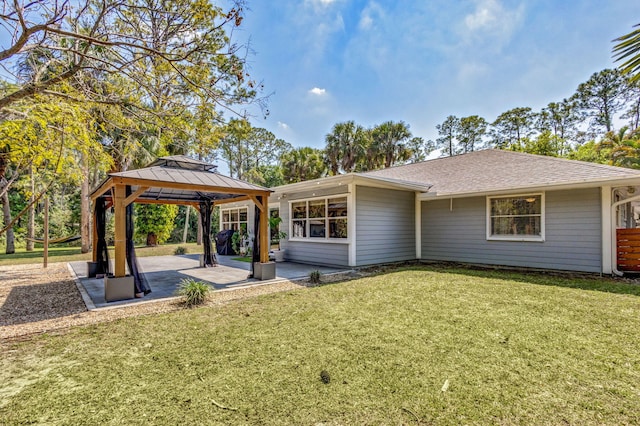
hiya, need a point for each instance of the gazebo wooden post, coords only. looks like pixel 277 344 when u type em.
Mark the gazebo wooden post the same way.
pixel 120 230
pixel 264 229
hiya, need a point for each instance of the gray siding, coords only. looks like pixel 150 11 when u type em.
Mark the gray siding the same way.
pixel 385 225
pixel 330 254
pixel 572 235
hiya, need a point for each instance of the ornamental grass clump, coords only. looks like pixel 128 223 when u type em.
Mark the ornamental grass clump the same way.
pixel 315 277
pixel 194 292
pixel 180 250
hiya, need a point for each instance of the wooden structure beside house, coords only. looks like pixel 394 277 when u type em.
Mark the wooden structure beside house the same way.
pixel 173 180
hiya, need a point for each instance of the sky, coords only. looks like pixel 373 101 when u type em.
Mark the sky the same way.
pixel 328 61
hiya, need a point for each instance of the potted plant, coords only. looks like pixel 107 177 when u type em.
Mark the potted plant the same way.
pixel 276 250
pixel 239 242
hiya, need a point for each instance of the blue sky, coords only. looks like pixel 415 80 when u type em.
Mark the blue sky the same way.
pixel 328 61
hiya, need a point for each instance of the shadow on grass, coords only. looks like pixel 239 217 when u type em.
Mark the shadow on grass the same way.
pixel 582 281
pixel 38 253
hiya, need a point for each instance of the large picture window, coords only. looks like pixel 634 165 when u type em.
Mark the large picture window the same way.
pixel 234 219
pixel 324 218
pixel 518 217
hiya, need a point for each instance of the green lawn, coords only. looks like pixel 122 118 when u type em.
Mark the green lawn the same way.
pixel 419 345
pixel 71 254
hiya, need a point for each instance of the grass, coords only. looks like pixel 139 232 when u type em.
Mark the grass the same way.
pixel 71 254
pixel 418 345
pixel 247 259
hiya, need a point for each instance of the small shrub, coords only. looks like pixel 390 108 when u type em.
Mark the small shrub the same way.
pixel 194 292
pixel 325 377
pixel 315 276
pixel 180 250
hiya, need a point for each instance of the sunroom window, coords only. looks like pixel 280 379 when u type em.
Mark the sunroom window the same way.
pixel 235 219
pixel 318 219
pixel 516 217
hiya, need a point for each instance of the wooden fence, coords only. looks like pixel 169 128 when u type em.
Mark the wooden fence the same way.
pixel 628 249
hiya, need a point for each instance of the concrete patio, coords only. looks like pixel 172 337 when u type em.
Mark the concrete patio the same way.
pixel 164 273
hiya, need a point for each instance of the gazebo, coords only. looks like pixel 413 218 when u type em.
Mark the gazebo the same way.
pixel 170 180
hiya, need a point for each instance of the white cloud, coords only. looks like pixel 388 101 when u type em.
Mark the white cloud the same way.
pixel 319 5
pixel 370 15
pixel 492 19
pixel 365 21
pixel 318 91
pixel 317 24
pixel 283 126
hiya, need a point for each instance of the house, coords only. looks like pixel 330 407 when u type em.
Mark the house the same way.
pixel 486 207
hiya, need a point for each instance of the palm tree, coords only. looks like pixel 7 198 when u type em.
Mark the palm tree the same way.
pixel 389 143
pixel 346 146
pixel 628 50
pixel 624 146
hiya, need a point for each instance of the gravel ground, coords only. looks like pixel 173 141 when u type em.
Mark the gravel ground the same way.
pixel 34 300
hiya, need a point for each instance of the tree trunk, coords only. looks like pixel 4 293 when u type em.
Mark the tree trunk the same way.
pixel 85 213
pixel 199 234
pixel 186 225
pixel 6 212
pixel 31 214
pixel 152 239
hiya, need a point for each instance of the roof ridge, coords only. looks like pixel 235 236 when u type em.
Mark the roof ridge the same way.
pixel 508 152
pixel 565 160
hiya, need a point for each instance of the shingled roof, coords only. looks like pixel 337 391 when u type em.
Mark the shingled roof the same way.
pixel 492 170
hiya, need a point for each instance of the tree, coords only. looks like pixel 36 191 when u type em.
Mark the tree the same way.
pixel 511 127
pixel 561 119
pixel 247 150
pixel 389 143
pixel 48 138
pixel 346 146
pixel 302 164
pixel 470 132
pixel 633 101
pixel 601 97
pixel 591 152
pixel 419 149
pixel 268 176
pixel 628 50
pixel 546 143
pixel 124 37
pixel 447 131
pixel 624 147
pixel 154 222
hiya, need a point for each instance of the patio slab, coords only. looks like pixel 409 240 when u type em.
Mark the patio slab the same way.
pixel 164 273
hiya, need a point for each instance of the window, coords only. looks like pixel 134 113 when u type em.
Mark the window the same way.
pixel 234 219
pixel 324 218
pixel 519 218
pixel 273 231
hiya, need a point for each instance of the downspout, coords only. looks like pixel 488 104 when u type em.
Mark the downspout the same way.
pixel 614 256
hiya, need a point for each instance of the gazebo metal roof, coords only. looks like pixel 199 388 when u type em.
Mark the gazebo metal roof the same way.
pixel 179 179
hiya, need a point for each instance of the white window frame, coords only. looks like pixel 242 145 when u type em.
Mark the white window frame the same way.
pixel 527 238
pixel 326 239
pixel 238 221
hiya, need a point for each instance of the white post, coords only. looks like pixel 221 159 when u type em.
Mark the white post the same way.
pixel 351 224
pixel 418 225
pixel 608 254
